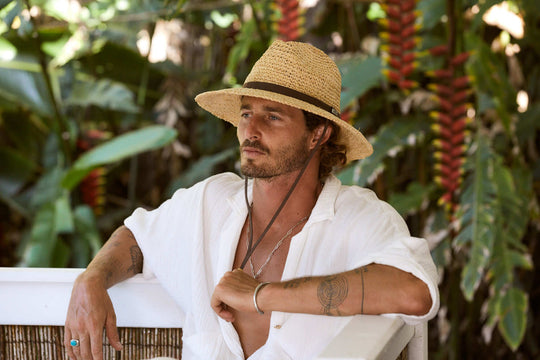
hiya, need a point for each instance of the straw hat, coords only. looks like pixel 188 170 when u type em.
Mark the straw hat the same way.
pixel 296 74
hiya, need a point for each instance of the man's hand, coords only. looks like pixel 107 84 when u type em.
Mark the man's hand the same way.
pixel 90 310
pixel 234 291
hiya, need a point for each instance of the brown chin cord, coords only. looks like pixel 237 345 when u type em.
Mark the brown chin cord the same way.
pixel 252 246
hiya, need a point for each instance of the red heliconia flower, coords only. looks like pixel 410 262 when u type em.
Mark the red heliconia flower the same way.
pixel 451 94
pixel 445 105
pixel 457 138
pixel 391 38
pixel 439 50
pixel 290 26
pixel 440 73
pixel 93 190
pixel 459 58
pixel 407 5
pixel 408 57
pixel 408 69
pixel 396 64
pixel 392 25
pixel 392 75
pixel 462 82
pixel 407 84
pixel 409 30
pixel 440 90
pixel 409 18
pixel 441 117
pixel 411 44
pixel 92 187
pixel 395 51
pixel 460 124
pixel 402 43
pixel 460 96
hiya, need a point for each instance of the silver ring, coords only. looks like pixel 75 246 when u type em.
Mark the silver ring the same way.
pixel 74 342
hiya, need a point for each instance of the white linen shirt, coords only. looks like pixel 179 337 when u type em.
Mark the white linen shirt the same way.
pixel 190 241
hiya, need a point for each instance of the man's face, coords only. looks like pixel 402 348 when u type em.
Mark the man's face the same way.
pixel 273 138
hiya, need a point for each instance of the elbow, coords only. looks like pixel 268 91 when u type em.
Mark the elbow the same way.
pixel 418 302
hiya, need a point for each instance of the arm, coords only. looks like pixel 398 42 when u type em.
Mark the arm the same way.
pixel 372 289
pixel 90 309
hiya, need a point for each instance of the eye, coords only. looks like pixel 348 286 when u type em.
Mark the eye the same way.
pixel 245 115
pixel 274 117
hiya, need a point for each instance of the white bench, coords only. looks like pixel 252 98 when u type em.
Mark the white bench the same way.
pixel 38 298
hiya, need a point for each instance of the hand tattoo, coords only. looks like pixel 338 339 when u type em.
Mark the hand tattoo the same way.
pixel 332 291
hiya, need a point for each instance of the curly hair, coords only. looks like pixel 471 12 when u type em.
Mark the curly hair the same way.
pixel 333 155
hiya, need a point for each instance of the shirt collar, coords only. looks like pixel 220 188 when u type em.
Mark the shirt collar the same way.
pixel 324 208
pixel 326 203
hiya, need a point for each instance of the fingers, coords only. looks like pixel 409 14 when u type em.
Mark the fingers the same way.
pixel 223 311
pixel 112 332
pixel 67 345
pixel 85 349
pixel 93 348
pixel 76 352
pixel 220 308
pixel 90 312
pixel 234 292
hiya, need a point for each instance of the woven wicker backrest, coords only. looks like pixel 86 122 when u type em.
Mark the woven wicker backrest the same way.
pixel 23 342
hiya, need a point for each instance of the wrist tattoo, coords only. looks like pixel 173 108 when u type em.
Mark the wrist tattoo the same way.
pixel 136 259
pixel 332 291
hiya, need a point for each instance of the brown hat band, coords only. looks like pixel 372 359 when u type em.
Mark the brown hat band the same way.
pixel 260 85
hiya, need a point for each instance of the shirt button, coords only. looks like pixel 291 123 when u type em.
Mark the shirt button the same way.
pixel 277 327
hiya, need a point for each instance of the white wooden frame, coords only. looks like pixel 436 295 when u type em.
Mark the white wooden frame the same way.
pixel 39 296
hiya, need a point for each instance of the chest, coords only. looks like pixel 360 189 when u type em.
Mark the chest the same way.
pixel 268 260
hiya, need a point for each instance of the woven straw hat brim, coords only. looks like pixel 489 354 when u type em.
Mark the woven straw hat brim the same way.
pixel 225 104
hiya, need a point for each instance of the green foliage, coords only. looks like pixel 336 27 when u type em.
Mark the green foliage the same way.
pixel 353 69
pixel 16 170
pixel 121 147
pixel 391 139
pixel 49 92
pixel 477 217
pixel 200 170
pixel 23 84
pixel 105 94
pixel 412 200
pixel 494 218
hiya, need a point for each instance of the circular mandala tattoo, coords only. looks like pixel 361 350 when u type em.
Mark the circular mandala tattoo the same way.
pixel 331 292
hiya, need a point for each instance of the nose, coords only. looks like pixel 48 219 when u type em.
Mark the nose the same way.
pixel 250 128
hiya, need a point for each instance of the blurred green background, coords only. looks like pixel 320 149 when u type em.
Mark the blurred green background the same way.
pixel 97 117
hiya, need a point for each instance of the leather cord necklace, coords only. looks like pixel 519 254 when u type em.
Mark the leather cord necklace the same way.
pixel 252 246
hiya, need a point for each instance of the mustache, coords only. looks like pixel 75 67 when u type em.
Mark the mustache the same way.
pixel 255 145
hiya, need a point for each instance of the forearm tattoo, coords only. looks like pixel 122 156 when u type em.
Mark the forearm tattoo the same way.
pixel 361 271
pixel 293 284
pixel 332 291
pixel 136 259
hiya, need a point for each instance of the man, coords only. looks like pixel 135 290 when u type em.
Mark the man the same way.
pixel 270 268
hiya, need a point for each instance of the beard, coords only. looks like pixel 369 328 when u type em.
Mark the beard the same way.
pixel 286 159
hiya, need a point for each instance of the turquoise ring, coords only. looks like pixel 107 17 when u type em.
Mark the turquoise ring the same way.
pixel 74 342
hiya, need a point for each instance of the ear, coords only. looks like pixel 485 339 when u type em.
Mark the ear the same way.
pixel 317 133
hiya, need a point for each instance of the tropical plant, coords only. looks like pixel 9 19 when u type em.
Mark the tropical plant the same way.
pixel 446 90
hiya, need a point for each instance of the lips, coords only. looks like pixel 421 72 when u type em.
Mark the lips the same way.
pixel 250 152
pixel 253 148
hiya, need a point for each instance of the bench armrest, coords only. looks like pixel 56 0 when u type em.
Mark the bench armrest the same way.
pixel 40 297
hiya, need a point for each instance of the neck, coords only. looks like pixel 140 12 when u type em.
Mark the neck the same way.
pixel 268 195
